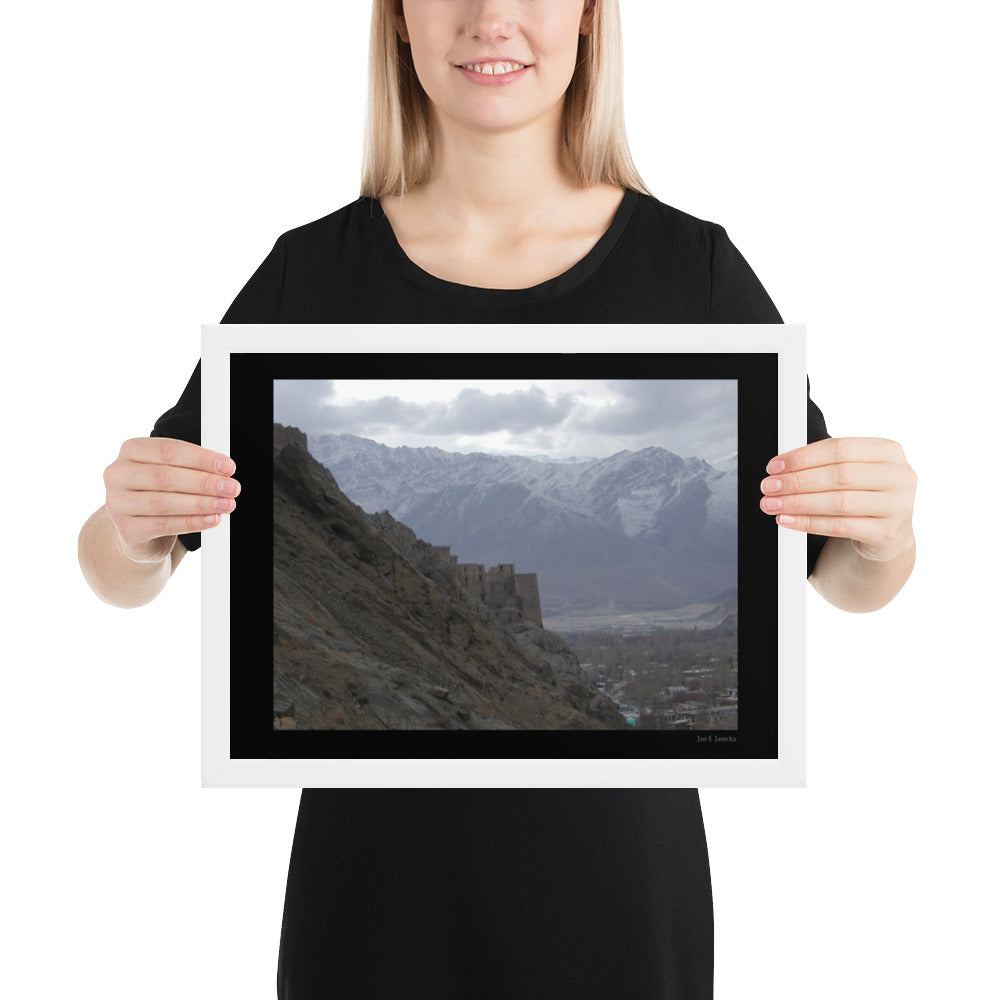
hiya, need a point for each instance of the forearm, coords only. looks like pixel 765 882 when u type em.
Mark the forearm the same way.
pixel 111 574
pixel 853 583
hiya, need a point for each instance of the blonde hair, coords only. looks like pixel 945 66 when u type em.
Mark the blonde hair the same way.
pixel 397 142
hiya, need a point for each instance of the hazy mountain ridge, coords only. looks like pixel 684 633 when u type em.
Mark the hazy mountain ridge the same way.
pixel 623 490
pixel 647 528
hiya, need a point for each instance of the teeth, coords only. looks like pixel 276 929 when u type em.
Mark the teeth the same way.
pixel 495 69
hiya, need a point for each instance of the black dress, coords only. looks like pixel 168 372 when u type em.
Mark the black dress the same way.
pixel 498 894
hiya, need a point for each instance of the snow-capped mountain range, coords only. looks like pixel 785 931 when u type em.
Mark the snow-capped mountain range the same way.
pixel 643 529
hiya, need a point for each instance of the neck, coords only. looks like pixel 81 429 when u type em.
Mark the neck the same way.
pixel 498 180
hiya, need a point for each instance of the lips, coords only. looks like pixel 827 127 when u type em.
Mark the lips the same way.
pixel 493 73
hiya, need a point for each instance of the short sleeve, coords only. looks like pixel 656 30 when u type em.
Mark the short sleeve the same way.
pixel 737 296
pixel 260 299
pixel 258 302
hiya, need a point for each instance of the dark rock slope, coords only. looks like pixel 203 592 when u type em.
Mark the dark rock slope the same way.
pixel 371 631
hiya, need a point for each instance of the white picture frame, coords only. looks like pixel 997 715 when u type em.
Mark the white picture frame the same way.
pixel 221 344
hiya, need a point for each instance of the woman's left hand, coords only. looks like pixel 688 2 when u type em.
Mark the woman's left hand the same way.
pixel 856 488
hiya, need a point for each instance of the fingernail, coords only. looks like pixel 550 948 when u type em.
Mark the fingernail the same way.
pixel 786 519
pixel 210 519
pixel 772 503
pixel 224 467
pixel 775 466
pixel 771 485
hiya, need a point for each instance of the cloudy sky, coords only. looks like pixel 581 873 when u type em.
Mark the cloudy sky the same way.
pixel 589 418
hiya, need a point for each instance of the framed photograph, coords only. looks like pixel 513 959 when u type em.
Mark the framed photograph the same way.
pixel 526 555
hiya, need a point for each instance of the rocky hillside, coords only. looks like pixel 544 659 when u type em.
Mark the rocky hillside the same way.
pixel 371 631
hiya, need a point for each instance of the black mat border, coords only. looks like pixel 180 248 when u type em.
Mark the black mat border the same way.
pixel 251 575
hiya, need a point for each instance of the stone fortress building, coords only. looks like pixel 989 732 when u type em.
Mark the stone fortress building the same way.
pixel 512 596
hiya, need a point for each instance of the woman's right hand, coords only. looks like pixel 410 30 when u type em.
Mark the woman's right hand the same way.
pixel 159 488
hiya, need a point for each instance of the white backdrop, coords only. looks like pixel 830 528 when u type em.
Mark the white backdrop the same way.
pixel 155 151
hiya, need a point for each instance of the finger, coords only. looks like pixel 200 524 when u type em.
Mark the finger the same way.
pixel 174 452
pixel 842 503
pixel 875 476
pixel 833 451
pixel 162 504
pixel 142 477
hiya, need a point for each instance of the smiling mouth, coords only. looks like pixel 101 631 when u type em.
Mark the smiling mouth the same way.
pixel 494 68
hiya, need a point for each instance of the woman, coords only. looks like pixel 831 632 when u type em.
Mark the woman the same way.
pixel 498 187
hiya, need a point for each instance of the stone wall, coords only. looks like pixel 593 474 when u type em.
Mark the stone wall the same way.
pixel 527 592
pixel 512 596
pixel 444 553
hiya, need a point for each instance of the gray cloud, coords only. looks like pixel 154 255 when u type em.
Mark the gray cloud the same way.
pixel 385 413
pixel 474 411
pixel 654 404
pixel 689 417
pixel 471 412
